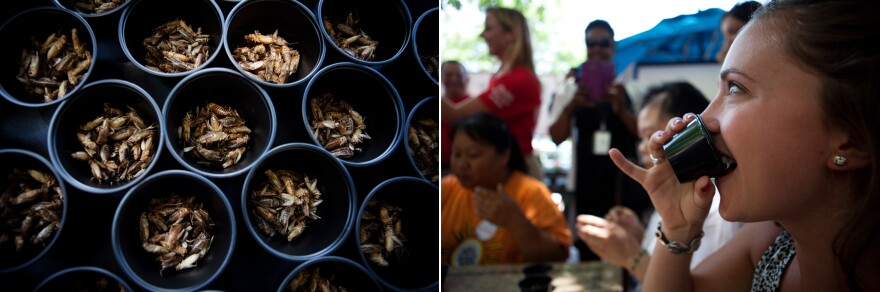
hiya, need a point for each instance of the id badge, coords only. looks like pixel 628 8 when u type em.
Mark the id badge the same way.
pixel 486 230
pixel 601 142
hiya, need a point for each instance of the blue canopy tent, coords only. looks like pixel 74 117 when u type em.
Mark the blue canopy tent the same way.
pixel 689 38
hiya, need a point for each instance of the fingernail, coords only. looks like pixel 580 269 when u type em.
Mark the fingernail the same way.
pixel 677 122
pixel 660 134
pixel 690 116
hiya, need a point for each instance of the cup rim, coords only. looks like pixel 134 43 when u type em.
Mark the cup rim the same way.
pixel 114 234
pixel 415 44
pixel 711 142
pixel 538 279
pixel 217 70
pixel 83 269
pixel 406 38
pixel 373 193
pixel 90 15
pixel 349 221
pixel 64 199
pixel 88 72
pixel 398 107
pixel 52 137
pixel 297 5
pixel 123 21
pixel 315 261
pixel 404 134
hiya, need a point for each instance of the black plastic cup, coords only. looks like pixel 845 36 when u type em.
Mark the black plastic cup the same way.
pixel 535 284
pixel 68 5
pixel 139 20
pixel 346 272
pixel 16 34
pixel 371 95
pixel 692 153
pixel 418 203
pixel 294 22
pixel 537 269
pixel 23 159
pixel 428 108
pixel 425 41
pixel 337 211
pixel 388 22
pixel 67 280
pixel 226 88
pixel 141 266
pixel 85 106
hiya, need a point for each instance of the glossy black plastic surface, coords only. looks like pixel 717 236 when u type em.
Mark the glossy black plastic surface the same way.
pixel 293 21
pixel 425 43
pixel 426 109
pixel 228 89
pixel 39 23
pixel 370 94
pixel 692 154
pixel 23 159
pixel 141 266
pixel 337 209
pixel 356 278
pixel 383 21
pixel 138 23
pixel 535 284
pixel 85 106
pixel 405 273
pixel 85 276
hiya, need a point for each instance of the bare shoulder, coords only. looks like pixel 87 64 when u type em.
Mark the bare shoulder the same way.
pixel 733 265
pixel 758 237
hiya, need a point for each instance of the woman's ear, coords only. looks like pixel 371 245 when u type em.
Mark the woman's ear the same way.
pixel 505 158
pixel 847 155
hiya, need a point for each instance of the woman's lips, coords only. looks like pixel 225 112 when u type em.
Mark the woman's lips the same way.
pixel 728 165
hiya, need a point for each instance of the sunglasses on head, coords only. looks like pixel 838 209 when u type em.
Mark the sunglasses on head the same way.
pixel 602 43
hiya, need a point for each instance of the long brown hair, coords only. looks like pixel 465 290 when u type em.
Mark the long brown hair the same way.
pixel 839 41
pixel 520 52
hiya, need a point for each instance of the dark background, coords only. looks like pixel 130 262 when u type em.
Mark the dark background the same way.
pixel 85 240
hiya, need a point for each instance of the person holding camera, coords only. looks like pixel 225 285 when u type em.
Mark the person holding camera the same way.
pixel 597 123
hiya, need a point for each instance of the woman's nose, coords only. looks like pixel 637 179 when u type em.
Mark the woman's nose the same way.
pixel 458 164
pixel 710 115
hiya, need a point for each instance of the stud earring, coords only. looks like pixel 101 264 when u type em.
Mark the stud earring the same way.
pixel 839 160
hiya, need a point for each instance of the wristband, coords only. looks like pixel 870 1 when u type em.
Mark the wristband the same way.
pixel 635 260
pixel 676 247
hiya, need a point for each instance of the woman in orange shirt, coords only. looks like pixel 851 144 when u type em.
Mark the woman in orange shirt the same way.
pixel 492 211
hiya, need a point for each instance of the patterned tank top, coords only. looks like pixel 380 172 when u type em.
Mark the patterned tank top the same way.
pixel 773 263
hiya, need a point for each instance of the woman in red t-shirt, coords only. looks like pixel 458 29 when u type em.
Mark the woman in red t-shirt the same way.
pixel 514 92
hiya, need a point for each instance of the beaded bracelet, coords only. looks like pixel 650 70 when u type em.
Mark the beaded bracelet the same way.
pixel 635 260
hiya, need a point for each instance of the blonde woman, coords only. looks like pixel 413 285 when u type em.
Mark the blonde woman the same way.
pixel 514 92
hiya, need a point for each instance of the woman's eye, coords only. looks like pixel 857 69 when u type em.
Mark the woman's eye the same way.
pixel 733 88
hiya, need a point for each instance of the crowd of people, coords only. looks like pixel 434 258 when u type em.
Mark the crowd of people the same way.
pixel 796 119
